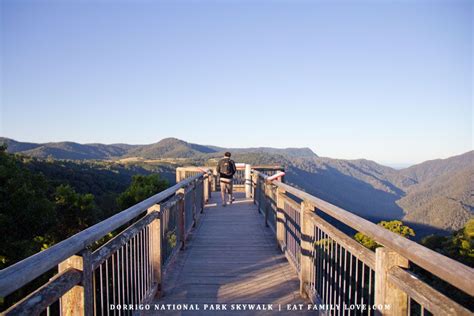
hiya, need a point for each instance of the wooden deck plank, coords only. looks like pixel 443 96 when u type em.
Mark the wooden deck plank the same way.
pixel 231 258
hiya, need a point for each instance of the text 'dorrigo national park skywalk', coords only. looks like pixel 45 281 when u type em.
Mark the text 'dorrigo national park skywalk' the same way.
pixel 275 249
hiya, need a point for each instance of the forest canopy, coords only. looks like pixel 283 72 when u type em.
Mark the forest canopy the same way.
pixel 45 201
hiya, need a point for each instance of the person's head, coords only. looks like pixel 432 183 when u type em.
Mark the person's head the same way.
pixel 227 154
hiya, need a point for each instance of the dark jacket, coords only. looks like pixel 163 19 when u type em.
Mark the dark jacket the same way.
pixel 221 166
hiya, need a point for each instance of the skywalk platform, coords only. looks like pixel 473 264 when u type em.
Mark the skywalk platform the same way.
pixel 232 258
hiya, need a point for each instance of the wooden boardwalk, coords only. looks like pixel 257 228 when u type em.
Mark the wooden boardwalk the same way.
pixel 231 258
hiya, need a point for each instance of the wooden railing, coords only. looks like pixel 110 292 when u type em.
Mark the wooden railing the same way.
pixel 242 179
pixel 343 275
pixel 333 268
pixel 125 270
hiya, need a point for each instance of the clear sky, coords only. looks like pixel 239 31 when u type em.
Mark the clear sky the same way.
pixel 390 81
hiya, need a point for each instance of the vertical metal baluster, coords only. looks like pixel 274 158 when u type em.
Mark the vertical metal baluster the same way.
pixel 113 258
pixel 133 262
pixel 107 285
pixel 331 274
pixel 122 250
pixel 322 246
pixel 142 249
pixel 336 272
pixel 101 291
pixel 94 288
pixel 356 285
pixel 314 259
pixel 139 260
pixel 127 272
pixel 145 250
pixel 328 270
pixel 323 262
pixel 132 279
pixel 320 264
pixel 311 270
pixel 422 310
pixel 137 285
pixel 349 301
pixel 119 280
pixel 362 291
pixel 344 282
pixel 369 299
pixel 409 306
pixel 340 289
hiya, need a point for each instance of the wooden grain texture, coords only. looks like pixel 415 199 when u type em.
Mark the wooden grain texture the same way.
pixel 231 257
pixel 432 300
pixel 156 231
pixel 72 302
pixel 387 293
pixel 36 302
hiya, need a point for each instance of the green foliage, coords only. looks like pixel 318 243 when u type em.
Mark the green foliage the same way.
pixel 394 226
pixel 26 211
pixel 459 245
pixel 171 239
pixel 75 212
pixel 141 188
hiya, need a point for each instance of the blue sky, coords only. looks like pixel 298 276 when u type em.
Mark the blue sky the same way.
pixel 390 81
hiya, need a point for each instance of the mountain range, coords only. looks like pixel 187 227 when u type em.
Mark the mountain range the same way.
pixel 166 148
pixel 434 196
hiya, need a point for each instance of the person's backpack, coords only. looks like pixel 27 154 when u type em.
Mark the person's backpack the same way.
pixel 227 167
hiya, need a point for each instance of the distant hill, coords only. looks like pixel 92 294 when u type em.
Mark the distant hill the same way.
pixel 433 196
pixel 170 148
pixel 67 150
pixel 166 148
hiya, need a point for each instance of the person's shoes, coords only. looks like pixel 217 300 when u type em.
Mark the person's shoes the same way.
pixel 223 205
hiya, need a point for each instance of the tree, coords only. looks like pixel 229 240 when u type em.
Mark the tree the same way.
pixel 25 210
pixel 75 212
pixel 393 226
pixel 459 245
pixel 141 188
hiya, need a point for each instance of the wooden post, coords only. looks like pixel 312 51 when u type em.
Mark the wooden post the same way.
pixel 194 203
pixel 214 180
pixel 280 219
pixel 181 214
pixel 79 300
pixel 266 204
pixel 248 181
pixel 254 191
pixel 306 246
pixel 156 231
pixel 205 188
pixel 386 293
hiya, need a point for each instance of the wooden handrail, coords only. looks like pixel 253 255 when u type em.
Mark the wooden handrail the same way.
pixel 49 293
pixel 425 295
pixel 19 274
pixel 450 270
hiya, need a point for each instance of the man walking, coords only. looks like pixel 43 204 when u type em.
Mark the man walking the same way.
pixel 226 170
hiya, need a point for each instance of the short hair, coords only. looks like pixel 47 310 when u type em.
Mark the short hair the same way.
pixel 227 154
